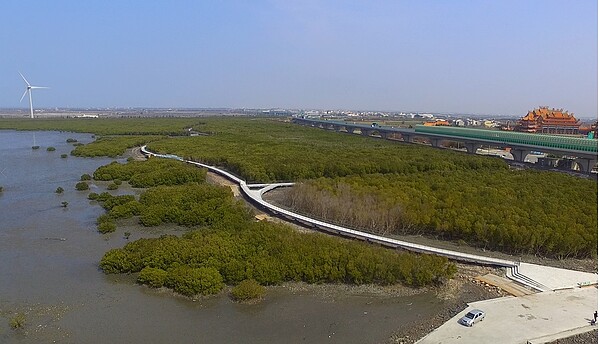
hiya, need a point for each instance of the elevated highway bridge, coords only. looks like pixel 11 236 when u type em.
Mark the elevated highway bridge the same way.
pixel 585 151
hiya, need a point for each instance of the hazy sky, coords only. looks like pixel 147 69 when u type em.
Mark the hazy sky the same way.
pixel 487 57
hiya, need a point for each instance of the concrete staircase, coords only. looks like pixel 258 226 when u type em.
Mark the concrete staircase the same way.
pixel 512 273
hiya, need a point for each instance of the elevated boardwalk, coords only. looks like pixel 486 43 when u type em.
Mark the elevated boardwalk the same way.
pixel 254 193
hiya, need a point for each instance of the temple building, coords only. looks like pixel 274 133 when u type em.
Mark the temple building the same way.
pixel 544 120
pixel 589 130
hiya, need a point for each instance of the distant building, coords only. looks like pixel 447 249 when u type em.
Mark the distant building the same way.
pixel 437 122
pixel 458 123
pixel 544 120
pixel 424 115
pixel 490 124
pixel 589 130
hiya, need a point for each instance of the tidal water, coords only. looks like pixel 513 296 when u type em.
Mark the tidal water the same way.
pixel 49 272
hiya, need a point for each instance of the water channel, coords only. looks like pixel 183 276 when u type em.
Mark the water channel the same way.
pixel 49 272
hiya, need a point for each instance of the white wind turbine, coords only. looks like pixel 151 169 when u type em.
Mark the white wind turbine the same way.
pixel 28 90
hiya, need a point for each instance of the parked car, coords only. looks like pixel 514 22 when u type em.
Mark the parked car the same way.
pixel 472 317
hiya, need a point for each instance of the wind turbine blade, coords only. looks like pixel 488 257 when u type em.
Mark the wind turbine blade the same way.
pixel 23 96
pixel 32 87
pixel 27 82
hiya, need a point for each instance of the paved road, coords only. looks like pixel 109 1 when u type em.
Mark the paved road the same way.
pixel 537 318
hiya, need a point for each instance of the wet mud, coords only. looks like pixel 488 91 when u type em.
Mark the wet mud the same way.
pixel 49 274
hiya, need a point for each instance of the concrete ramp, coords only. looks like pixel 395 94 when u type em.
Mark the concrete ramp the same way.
pixel 505 284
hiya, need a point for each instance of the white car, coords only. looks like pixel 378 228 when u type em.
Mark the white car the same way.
pixel 472 317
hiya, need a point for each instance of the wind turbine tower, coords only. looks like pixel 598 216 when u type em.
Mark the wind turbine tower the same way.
pixel 28 90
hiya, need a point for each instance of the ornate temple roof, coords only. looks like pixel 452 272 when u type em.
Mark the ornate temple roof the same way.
pixel 545 115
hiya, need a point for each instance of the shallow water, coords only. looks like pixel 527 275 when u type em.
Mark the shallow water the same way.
pixel 49 272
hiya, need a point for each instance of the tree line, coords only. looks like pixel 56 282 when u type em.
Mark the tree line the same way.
pixel 267 151
pixel 388 187
pixel 153 172
pixel 112 146
pixel 105 126
pixel 554 216
pixel 225 247
pixel 408 188
pixel 203 261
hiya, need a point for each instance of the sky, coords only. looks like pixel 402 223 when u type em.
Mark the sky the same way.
pixel 501 57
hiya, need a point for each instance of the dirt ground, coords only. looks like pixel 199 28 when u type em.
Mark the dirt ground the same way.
pixel 135 153
pixel 213 178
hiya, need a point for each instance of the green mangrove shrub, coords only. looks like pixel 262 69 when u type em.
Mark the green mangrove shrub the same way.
pixel 152 277
pixel 153 172
pixel 247 290
pixel 107 226
pixel 82 186
pixel 271 254
pixel 191 281
pixel 18 321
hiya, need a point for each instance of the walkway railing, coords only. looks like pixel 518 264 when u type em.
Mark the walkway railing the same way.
pixel 255 196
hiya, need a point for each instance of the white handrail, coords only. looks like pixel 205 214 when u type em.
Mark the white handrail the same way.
pixel 256 196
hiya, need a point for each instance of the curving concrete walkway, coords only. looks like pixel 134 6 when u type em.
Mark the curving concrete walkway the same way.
pixel 537 277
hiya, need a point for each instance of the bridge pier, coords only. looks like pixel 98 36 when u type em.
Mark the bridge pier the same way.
pixel 471 147
pixel 350 130
pixel 436 142
pixel 519 154
pixel 586 165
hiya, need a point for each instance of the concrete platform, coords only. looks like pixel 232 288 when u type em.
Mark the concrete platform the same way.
pixel 520 319
pixel 555 278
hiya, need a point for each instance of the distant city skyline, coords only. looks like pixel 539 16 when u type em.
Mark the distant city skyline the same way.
pixel 469 57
